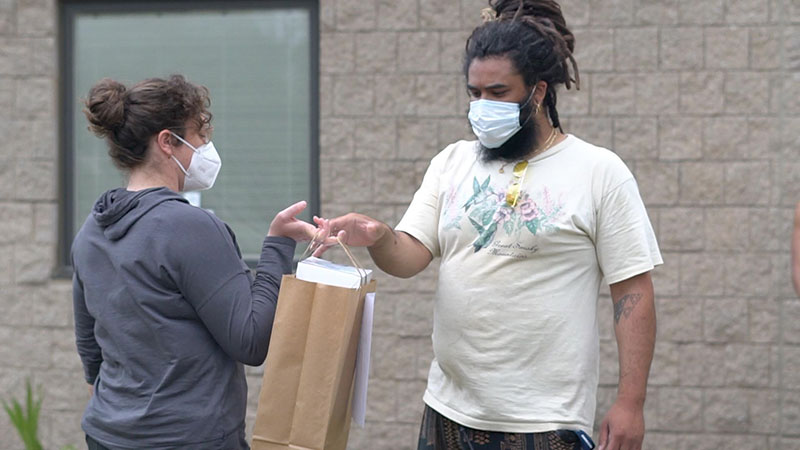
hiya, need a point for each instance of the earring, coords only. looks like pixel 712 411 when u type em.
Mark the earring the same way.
pixel 538 107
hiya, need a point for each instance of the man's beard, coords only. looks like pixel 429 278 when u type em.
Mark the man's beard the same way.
pixel 516 148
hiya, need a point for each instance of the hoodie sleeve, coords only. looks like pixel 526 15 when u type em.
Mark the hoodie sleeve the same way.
pixel 237 309
pixel 88 349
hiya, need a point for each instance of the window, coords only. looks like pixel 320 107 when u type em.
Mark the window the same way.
pixel 259 61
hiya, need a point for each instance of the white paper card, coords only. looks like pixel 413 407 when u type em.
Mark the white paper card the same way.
pixel 362 362
pixel 193 197
pixel 322 271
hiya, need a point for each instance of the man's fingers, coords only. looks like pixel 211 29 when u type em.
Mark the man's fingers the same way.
pixel 630 443
pixel 613 442
pixel 321 222
pixel 324 229
pixel 603 436
pixel 338 223
pixel 319 251
pixel 329 242
pixel 615 439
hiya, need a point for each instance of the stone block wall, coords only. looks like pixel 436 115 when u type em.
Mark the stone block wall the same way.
pixel 700 98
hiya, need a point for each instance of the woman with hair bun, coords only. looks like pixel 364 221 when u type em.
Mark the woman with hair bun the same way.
pixel 166 311
pixel 529 222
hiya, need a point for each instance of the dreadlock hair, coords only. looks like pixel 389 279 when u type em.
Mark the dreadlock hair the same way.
pixel 534 36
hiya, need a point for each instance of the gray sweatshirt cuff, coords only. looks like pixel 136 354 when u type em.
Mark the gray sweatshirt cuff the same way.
pixel 284 247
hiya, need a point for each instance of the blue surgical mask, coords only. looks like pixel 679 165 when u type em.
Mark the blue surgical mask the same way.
pixel 494 122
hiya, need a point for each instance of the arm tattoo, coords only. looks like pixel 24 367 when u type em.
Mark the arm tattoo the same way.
pixel 625 306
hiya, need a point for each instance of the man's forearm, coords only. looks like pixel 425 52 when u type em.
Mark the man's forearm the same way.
pixel 399 254
pixel 635 330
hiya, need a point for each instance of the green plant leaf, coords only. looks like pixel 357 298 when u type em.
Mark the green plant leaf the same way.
pixel 14 413
pixel 26 420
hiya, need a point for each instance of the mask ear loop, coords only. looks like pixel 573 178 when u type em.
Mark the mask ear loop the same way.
pixel 526 102
pixel 184 141
pixel 183 169
pixel 180 166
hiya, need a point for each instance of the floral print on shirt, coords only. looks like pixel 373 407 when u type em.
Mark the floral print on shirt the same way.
pixel 488 212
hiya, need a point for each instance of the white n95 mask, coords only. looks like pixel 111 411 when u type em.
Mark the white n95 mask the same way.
pixel 203 167
pixel 494 122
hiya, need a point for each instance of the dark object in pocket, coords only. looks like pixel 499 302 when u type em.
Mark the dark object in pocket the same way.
pixel 579 439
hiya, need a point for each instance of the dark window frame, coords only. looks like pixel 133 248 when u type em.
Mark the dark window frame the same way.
pixel 69 9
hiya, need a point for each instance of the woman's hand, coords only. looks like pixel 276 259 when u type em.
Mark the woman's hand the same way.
pixel 286 224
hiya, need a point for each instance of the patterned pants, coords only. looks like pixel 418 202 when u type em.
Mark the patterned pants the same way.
pixel 440 433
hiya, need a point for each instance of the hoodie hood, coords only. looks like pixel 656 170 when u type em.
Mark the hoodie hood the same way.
pixel 118 209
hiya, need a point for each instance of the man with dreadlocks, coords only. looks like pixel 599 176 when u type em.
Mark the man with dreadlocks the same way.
pixel 528 222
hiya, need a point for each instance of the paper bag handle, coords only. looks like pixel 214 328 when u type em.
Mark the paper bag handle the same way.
pixel 310 248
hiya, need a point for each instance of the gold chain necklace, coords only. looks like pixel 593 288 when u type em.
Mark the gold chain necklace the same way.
pixel 549 142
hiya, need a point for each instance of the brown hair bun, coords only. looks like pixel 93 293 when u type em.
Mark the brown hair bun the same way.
pixel 105 107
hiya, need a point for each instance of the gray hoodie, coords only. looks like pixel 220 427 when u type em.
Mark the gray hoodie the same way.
pixel 166 312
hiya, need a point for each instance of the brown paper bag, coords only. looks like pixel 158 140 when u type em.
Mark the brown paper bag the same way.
pixel 306 394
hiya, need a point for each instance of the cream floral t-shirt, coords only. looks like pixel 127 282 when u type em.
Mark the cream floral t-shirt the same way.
pixel 515 322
